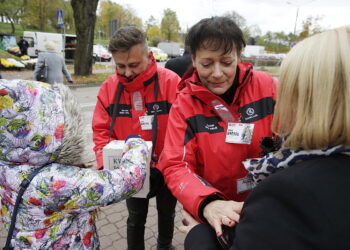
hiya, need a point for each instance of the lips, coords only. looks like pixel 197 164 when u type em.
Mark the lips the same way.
pixel 217 84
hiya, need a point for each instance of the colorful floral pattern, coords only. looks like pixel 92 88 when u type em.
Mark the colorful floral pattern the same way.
pixel 56 211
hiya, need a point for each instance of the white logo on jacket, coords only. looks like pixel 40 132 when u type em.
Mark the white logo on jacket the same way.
pixel 250 111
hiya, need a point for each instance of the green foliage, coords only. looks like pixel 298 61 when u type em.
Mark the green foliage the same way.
pixel 311 26
pixel 154 35
pixel 12 10
pixel 41 14
pixel 5 54
pixel 112 11
pixel 151 21
pixel 241 23
pixel 278 42
pixel 170 26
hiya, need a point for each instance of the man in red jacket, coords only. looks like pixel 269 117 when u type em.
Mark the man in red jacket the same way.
pixel 136 100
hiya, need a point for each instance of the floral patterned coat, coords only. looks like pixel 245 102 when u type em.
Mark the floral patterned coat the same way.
pixel 56 212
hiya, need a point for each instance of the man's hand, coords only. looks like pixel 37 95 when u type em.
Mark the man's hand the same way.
pixel 221 212
pixel 156 182
pixel 188 222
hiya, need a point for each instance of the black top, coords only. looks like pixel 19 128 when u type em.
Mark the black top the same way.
pixel 179 64
pixel 305 206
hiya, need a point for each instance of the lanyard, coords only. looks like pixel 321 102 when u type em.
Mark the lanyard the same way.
pixel 155 120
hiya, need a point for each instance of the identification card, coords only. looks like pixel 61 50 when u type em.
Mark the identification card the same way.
pixel 240 133
pixel 146 122
pixel 245 184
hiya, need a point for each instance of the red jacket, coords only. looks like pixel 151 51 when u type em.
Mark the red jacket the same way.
pixel 127 121
pixel 196 161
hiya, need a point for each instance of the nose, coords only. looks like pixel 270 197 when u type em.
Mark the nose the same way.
pixel 128 72
pixel 217 71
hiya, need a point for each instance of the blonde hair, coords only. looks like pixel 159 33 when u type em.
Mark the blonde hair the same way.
pixel 49 45
pixel 313 102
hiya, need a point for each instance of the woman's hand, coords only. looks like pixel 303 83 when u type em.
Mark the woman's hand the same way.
pixel 188 222
pixel 221 212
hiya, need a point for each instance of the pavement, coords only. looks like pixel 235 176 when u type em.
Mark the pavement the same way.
pixel 111 220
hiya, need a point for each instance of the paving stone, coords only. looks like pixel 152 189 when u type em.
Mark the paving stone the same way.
pixel 115 217
pixel 122 232
pixel 108 230
pixel 100 223
pixel 149 233
pixel 152 221
pixel 120 244
pixel 152 211
pixel 179 237
pixel 105 242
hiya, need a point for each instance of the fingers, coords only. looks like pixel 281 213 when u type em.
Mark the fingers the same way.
pixel 233 216
pixel 183 229
pixel 216 224
pixel 227 221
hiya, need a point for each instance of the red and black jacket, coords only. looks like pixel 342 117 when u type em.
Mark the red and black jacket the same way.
pixel 196 161
pixel 127 116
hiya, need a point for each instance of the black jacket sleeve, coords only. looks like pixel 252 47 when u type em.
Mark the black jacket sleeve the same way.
pixel 201 237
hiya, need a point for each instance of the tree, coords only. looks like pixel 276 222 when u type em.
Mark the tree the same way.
pixel 11 10
pixel 237 18
pixel 311 26
pixel 111 11
pixel 170 26
pixel 41 14
pixel 241 23
pixel 154 35
pixel 151 21
pixel 68 17
pixel 85 19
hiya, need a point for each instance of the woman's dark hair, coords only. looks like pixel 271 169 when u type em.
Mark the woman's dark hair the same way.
pixel 215 33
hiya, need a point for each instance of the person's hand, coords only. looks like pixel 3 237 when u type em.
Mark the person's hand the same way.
pixel 156 182
pixel 221 212
pixel 188 222
pixel 70 82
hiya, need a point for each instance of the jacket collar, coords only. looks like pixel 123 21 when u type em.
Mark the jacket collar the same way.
pixel 140 81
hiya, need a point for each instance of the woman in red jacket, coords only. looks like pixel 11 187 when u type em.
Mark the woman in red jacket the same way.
pixel 223 110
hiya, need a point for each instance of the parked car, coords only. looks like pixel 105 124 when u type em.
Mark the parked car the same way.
pixel 159 54
pixel 101 54
pixel 171 48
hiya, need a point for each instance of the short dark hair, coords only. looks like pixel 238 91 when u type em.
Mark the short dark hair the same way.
pixel 125 38
pixel 215 32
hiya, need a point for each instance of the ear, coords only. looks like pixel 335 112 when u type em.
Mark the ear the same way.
pixel 150 55
pixel 193 57
pixel 240 56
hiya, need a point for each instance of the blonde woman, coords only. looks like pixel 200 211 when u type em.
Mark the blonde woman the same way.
pixel 304 201
pixel 54 62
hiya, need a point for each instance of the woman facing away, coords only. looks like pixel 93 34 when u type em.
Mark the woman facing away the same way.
pixel 40 124
pixel 304 201
pixel 223 110
pixel 55 65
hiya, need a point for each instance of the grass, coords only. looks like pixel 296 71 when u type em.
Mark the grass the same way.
pixel 5 54
pixel 94 78
pixel 94 66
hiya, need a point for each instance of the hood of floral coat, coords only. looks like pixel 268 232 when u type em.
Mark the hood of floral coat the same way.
pixel 39 124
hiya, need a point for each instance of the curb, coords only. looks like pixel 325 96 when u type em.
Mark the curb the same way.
pixel 83 85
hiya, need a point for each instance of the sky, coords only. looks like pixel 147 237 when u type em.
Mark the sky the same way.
pixel 269 15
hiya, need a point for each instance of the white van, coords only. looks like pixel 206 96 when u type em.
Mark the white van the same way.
pixel 63 43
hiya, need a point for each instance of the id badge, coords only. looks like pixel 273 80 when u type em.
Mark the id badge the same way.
pixel 245 184
pixel 146 122
pixel 240 133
